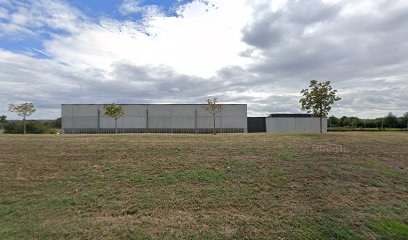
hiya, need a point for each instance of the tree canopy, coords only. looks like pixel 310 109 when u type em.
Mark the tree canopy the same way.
pixel 391 121
pixel 114 111
pixel 23 110
pixel 318 99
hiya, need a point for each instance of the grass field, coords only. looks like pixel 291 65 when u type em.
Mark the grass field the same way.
pixel 284 186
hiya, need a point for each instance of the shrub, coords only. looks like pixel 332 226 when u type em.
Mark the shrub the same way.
pixel 32 127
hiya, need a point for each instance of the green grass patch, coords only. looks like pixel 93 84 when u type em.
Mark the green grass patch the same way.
pixel 388 228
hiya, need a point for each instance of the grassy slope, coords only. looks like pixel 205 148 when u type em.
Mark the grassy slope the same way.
pixel 202 186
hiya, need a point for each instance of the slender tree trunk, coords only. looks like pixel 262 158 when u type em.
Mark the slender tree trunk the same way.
pixel 24 125
pixel 116 125
pixel 321 124
pixel 214 124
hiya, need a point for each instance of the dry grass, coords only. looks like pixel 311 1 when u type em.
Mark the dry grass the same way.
pixel 288 186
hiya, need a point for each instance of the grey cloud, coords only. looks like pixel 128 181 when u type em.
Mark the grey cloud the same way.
pixel 361 53
pixel 311 11
pixel 271 28
pixel 51 84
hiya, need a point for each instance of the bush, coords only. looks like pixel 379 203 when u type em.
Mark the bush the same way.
pixel 351 129
pixel 31 127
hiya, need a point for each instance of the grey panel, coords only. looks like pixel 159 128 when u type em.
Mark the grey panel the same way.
pixel 282 125
pixel 108 122
pixel 312 125
pixel 208 122
pixel 135 122
pixel 183 110
pixel 159 110
pixel 301 125
pixel 66 110
pixel 201 112
pixel 183 122
pixel 234 122
pixel 234 111
pixel 135 110
pixel 159 122
pixel 291 124
pixel 295 125
pixel 85 110
pixel 67 122
pixel 85 122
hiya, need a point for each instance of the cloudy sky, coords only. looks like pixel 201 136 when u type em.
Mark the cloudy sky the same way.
pixel 259 52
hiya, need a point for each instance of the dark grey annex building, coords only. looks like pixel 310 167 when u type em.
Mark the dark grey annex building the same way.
pixel 180 118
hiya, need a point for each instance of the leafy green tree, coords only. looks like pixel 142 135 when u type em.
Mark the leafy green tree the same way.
pixel 380 123
pixel 114 111
pixel 344 121
pixel 58 123
pixel 23 110
pixel 318 99
pixel 355 121
pixel 333 121
pixel 404 120
pixel 390 121
pixel 213 107
pixel 3 121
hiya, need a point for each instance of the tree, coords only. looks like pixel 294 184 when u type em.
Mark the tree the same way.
pixel 58 123
pixel 114 111
pixel 3 120
pixel 344 121
pixel 390 121
pixel 318 99
pixel 333 121
pixel 380 123
pixel 404 120
pixel 213 107
pixel 23 110
pixel 355 121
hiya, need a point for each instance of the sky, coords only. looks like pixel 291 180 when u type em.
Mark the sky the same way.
pixel 258 52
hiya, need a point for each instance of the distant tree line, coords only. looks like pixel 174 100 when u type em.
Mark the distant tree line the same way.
pixel 24 126
pixel 389 121
pixel 32 126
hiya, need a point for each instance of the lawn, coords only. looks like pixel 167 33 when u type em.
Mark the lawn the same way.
pixel 351 185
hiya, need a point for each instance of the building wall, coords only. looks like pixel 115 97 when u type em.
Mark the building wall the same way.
pixel 154 116
pixel 287 124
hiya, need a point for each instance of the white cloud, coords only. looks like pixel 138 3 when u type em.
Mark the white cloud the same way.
pixel 3 13
pixel 130 6
pixel 32 16
pixel 199 43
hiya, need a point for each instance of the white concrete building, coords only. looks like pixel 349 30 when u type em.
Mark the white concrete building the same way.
pixel 155 118
pixel 295 124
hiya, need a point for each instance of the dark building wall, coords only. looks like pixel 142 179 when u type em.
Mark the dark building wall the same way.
pixel 256 124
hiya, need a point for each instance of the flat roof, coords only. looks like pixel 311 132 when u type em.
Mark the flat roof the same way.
pixel 289 115
pixel 151 103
